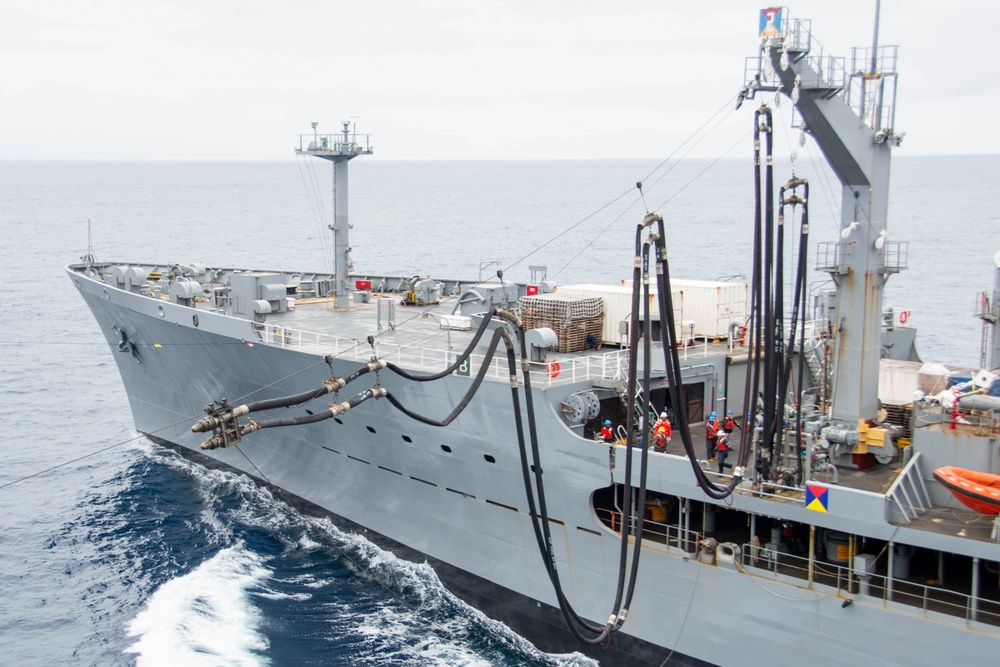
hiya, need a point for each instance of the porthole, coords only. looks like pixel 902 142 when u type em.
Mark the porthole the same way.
pixel 337 419
pixel 489 459
pixel 406 438
pixel 446 448
pixel 370 429
pixel 159 309
pixel 194 319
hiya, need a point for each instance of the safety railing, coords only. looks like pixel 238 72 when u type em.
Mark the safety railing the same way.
pixel 894 256
pixel 908 494
pixel 886 62
pixel 841 578
pixel 976 422
pixel 662 532
pixel 828 72
pixel 556 371
pixel 778 562
pixel 336 142
pixel 796 34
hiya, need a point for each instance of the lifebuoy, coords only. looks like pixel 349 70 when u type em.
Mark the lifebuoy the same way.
pixel 903 316
pixel 554 369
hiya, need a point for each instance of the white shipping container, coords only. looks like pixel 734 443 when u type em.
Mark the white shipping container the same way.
pixel 617 301
pixel 709 304
pixel 713 305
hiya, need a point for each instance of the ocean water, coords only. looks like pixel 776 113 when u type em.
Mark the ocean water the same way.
pixel 128 554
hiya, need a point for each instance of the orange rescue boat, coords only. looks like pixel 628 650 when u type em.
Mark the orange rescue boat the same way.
pixel 977 490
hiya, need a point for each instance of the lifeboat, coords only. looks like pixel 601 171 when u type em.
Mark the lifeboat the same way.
pixel 977 490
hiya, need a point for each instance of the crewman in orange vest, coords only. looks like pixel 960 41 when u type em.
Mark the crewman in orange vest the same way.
pixel 661 433
pixel 722 447
pixel 711 431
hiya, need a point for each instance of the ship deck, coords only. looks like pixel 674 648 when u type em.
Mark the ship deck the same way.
pixel 424 337
pixel 421 338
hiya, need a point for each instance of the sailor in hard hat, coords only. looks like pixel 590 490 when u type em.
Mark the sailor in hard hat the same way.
pixel 661 433
pixel 607 435
pixel 712 429
pixel 729 423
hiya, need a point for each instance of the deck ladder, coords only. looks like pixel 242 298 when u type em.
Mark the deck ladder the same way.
pixel 908 494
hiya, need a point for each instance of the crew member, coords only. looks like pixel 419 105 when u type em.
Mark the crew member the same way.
pixel 711 431
pixel 729 425
pixel 607 435
pixel 662 432
pixel 722 447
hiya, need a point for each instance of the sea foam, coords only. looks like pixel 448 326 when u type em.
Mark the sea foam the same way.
pixel 206 616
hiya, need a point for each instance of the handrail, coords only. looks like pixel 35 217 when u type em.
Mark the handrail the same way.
pixel 898 485
pixel 844 578
pixel 609 365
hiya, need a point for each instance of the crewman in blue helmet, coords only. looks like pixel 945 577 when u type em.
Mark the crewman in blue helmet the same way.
pixel 607 435
pixel 712 428
pixel 729 423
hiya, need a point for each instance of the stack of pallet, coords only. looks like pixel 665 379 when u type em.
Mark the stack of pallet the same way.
pixel 572 318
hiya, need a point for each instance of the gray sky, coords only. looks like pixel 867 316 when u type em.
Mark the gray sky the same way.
pixel 449 79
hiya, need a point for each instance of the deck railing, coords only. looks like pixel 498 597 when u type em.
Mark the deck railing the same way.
pixel 982 423
pixel 556 371
pixel 822 576
pixel 761 561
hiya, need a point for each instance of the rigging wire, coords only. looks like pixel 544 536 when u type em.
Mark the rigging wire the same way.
pixel 691 136
pixel 642 184
pixel 686 153
pixel 321 236
pixel 566 231
pixel 702 172
pixel 594 240
pixel 320 205
pixel 159 430
pixel 623 194
pixel 687 614
pixel 826 186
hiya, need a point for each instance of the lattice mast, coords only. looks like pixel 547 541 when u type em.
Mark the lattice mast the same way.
pixel 339 149
pixel 850 112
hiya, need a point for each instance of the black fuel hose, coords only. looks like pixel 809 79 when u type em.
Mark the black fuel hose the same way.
pixel 288 401
pixel 674 380
pixel 483 327
pixel 630 389
pixel 754 328
pixel 802 329
pixel 647 352
pixel 333 411
pixel 480 376
pixel 770 367
pixel 576 624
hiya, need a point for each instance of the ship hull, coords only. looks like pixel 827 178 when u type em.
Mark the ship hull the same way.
pixel 540 623
pixel 434 495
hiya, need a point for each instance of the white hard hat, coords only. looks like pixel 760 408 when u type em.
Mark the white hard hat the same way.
pixel 663 415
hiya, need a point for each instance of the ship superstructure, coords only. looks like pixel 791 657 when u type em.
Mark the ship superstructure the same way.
pixel 828 541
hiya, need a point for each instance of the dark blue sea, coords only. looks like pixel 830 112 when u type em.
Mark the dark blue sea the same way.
pixel 114 550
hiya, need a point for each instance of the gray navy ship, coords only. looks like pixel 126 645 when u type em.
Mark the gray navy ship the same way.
pixel 526 460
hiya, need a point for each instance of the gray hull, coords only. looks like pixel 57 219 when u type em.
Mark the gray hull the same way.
pixel 465 510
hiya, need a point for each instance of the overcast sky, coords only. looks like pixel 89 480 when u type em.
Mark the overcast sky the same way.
pixel 450 79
